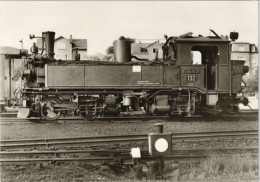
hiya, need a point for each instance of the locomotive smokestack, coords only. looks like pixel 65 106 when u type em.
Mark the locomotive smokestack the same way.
pixel 49 38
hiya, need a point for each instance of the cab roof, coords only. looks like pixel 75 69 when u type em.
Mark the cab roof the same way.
pixel 213 39
pixel 187 37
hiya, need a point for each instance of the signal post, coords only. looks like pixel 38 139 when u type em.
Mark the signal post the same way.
pixel 159 145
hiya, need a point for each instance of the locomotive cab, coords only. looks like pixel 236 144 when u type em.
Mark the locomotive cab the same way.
pixel 212 54
pixel 205 67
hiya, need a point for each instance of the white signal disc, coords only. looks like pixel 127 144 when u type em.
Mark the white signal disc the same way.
pixel 161 145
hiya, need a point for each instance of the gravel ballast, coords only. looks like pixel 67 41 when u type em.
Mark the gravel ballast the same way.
pixel 12 131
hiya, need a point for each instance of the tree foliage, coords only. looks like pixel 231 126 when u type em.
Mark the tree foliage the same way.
pixel 252 84
pixel 110 50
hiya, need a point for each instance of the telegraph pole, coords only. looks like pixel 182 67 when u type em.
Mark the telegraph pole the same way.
pixel 21 43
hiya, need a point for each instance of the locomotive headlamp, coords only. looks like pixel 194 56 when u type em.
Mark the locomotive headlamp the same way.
pixel 234 36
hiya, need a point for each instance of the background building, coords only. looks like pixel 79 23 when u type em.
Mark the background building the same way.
pixel 147 50
pixel 65 49
pixel 247 52
pixel 11 63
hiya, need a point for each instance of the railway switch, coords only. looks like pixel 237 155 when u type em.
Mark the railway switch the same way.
pixel 160 144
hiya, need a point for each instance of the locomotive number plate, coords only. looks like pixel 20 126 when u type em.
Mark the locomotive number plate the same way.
pixel 191 78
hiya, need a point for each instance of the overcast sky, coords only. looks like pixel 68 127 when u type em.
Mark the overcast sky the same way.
pixel 103 22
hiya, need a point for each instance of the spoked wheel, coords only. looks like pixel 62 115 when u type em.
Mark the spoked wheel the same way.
pixel 47 110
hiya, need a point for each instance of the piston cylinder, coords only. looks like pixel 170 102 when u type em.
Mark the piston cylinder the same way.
pixel 122 50
pixel 157 109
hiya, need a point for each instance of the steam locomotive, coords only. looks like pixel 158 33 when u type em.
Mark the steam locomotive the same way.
pixel 195 76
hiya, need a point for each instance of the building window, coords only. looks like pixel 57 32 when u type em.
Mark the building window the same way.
pixel 62 46
pixel 155 50
pixel 144 49
pixel 196 57
pixel 253 48
pixel 241 48
pixel 253 60
pixel 241 58
pixel 64 57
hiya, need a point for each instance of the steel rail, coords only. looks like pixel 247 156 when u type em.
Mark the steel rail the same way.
pixel 243 115
pixel 216 150
pixel 125 151
pixel 97 159
pixel 72 139
pixel 48 144
pixel 178 139
pixel 73 143
pixel 124 156
pixel 101 160
pixel 111 155
pixel 38 120
pixel 174 135
pixel 91 159
pixel 5 144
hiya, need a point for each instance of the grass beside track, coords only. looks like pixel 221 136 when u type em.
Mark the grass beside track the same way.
pixel 216 168
pixel 234 168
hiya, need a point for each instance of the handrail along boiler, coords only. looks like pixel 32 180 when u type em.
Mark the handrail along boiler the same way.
pixel 195 76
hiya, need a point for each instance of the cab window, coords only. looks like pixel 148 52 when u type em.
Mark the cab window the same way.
pixel 196 57
pixel 203 55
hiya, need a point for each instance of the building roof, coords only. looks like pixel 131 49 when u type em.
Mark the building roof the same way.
pixel 9 51
pixel 249 45
pixel 79 43
pixel 156 42
pixel 76 43
pixel 136 47
pixel 60 37
pixel 240 43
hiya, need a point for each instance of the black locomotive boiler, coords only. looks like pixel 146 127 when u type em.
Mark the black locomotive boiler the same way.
pixel 195 76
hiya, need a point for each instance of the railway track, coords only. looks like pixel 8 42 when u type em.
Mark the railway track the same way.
pixel 244 115
pixel 99 156
pixel 98 141
pixel 38 120
pixel 95 149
